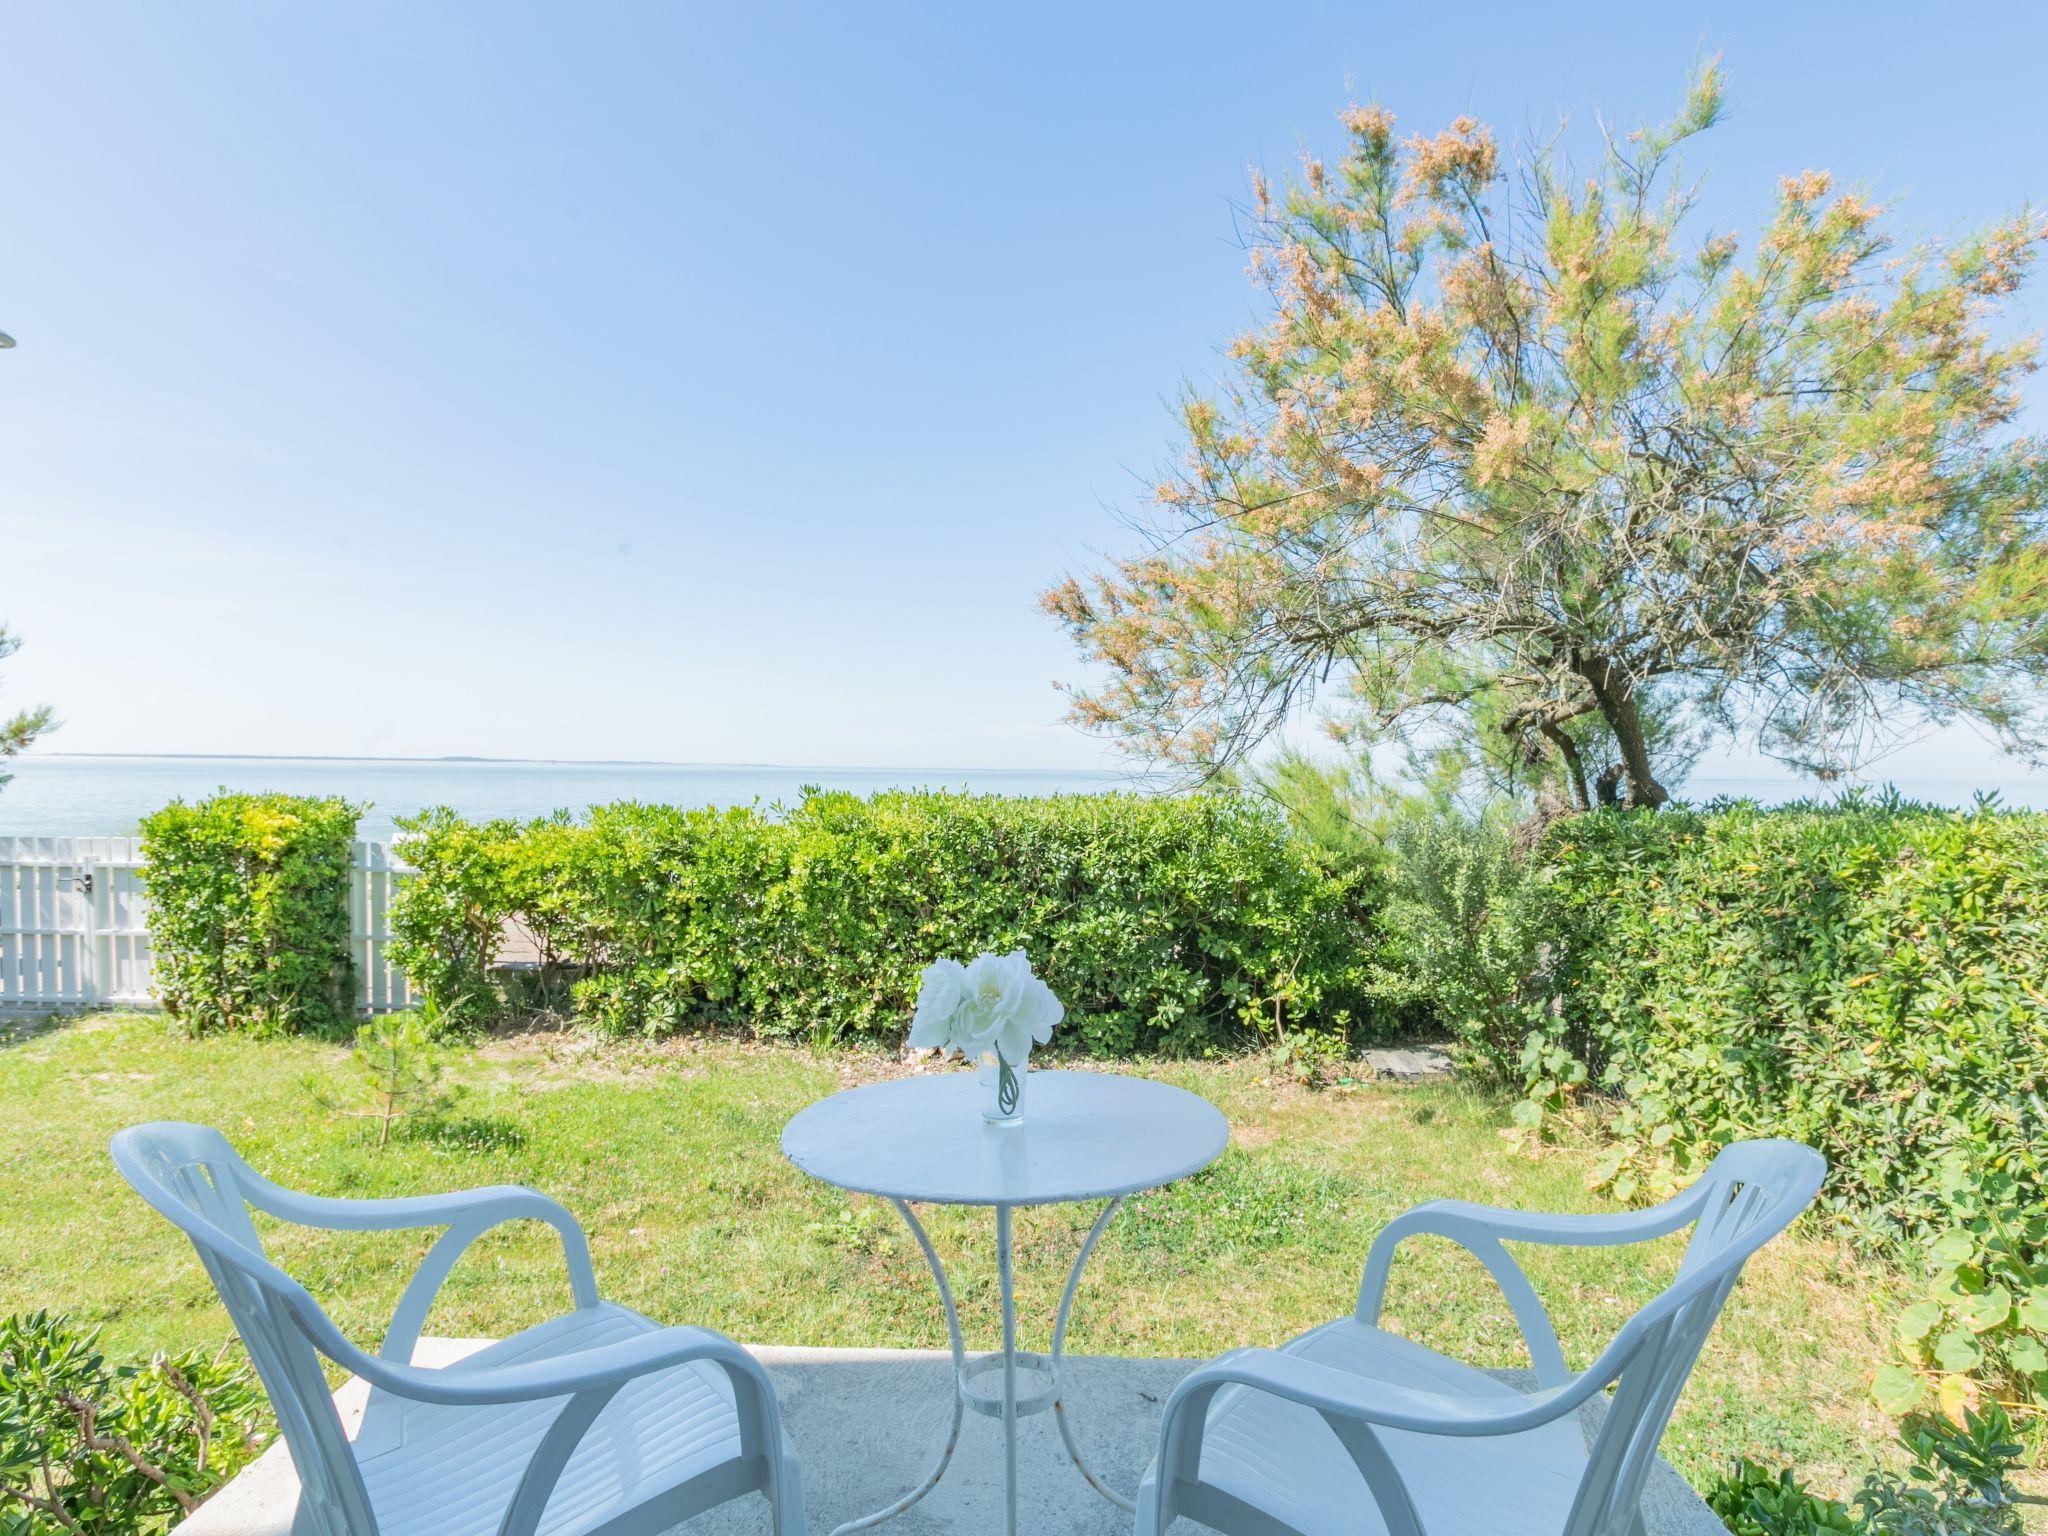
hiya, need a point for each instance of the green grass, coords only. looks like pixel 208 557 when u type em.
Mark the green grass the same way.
pixel 668 1155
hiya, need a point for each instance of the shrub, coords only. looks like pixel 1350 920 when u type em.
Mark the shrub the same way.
pixel 88 1448
pixel 1867 977
pixel 1170 924
pixel 1982 1310
pixel 448 919
pixel 1468 933
pixel 672 914
pixel 249 911
pixel 1162 924
pixel 1957 1483
pixel 1754 1500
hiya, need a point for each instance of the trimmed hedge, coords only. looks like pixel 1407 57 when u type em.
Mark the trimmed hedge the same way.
pixel 249 911
pixel 1164 924
pixel 1870 978
pixel 1870 981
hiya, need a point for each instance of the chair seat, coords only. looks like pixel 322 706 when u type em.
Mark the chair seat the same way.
pixel 435 1470
pixel 1284 1460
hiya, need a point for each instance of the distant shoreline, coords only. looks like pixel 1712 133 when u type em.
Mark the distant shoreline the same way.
pixel 531 762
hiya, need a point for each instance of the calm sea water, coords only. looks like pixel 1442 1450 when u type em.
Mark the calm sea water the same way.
pixel 107 796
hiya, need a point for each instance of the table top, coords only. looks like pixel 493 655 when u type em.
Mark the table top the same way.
pixel 1083 1136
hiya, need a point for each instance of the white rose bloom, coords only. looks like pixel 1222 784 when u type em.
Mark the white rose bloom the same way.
pixel 940 993
pixel 993 1003
pixel 1018 1009
pixel 978 1019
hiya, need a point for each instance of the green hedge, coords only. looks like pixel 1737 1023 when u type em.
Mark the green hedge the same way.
pixel 1171 924
pixel 1870 978
pixel 249 911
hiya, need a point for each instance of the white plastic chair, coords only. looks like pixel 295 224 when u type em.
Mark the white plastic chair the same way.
pixel 1350 1429
pixel 595 1421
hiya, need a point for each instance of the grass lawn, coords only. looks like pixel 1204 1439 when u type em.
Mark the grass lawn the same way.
pixel 668 1155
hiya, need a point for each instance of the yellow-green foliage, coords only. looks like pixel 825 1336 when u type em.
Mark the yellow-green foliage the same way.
pixel 248 915
pixel 397 1057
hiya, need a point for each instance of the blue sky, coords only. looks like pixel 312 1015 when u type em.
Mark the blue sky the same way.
pixel 722 385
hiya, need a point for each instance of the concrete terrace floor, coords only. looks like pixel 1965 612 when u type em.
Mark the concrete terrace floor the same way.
pixel 867 1424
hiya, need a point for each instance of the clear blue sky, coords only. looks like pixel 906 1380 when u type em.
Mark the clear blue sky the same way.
pixel 722 385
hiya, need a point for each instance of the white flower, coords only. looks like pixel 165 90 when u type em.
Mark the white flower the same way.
pixel 940 992
pixel 992 1004
pixel 1015 1009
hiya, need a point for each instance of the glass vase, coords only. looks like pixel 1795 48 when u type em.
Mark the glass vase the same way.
pixel 1002 1087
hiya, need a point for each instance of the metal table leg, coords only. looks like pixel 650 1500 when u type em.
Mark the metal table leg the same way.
pixel 1009 1370
pixel 1059 1340
pixel 1009 1407
pixel 959 1401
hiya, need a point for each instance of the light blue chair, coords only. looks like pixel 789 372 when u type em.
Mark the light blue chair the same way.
pixel 1354 1431
pixel 597 1421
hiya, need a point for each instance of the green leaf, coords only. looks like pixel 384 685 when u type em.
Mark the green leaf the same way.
pixel 2034 1310
pixel 1985 1311
pixel 1956 1350
pixel 1946 1285
pixel 2026 1355
pixel 1896 1389
pixel 1919 1320
pixel 1953 1248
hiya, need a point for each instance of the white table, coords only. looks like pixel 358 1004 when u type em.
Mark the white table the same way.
pixel 1084 1136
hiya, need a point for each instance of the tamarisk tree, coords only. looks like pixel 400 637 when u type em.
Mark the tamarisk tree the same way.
pixel 1523 458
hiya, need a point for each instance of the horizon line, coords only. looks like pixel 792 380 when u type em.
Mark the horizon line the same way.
pixel 574 762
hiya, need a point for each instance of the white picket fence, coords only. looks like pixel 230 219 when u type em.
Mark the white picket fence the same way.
pixel 74 924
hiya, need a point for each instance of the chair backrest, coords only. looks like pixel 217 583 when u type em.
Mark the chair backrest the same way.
pixel 1749 1194
pixel 190 1175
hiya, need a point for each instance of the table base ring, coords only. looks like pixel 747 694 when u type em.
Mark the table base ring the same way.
pixel 990 1404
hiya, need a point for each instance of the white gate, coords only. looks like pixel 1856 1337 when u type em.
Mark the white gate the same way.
pixel 373 877
pixel 74 924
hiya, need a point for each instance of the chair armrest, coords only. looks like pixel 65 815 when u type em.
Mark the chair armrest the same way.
pixel 417 1300
pixel 1481 1229
pixel 1365 1398
pixel 467 1214
pixel 502 1202
pixel 606 1365
pixel 1596 1230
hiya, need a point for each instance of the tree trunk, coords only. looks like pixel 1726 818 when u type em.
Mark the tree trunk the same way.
pixel 1574 766
pixel 1616 696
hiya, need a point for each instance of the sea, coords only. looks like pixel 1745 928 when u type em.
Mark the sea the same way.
pixel 61 795
pixel 54 795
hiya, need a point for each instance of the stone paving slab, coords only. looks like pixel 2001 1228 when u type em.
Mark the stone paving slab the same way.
pixel 1410 1064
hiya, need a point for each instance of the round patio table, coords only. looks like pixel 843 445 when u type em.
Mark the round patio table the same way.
pixel 1083 1136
